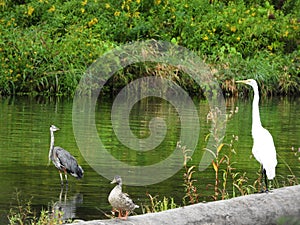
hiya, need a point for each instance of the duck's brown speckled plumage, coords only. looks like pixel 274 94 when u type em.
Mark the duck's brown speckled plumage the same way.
pixel 120 201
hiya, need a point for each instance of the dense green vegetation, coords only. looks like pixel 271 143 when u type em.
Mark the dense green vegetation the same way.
pixel 46 45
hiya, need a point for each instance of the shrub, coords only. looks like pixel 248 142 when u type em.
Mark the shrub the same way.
pixel 47 45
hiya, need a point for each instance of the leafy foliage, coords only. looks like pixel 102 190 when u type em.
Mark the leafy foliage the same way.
pixel 47 44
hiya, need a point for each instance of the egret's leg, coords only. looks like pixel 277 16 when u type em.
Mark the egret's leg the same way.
pixel 61 179
pixel 266 180
pixel 261 180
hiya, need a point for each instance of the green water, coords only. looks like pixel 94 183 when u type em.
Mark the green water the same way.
pixel 24 146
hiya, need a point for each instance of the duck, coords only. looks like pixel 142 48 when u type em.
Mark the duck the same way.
pixel 120 201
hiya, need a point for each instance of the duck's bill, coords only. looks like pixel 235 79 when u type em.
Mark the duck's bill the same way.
pixel 113 181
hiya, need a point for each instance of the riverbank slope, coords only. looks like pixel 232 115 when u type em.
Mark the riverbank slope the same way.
pixel 280 206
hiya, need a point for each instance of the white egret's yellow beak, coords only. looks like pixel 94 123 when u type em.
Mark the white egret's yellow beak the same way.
pixel 242 81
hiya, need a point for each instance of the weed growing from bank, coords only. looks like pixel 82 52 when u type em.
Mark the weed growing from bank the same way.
pixel 23 214
pixel 157 205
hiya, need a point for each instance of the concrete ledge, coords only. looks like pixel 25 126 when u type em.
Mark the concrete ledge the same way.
pixel 266 208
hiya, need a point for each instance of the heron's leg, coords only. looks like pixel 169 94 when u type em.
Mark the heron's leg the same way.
pixel 61 178
pixel 66 176
pixel 60 194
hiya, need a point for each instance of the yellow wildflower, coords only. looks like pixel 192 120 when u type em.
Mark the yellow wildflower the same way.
pixel 138 1
pixel 82 10
pixel 238 38
pixel 233 29
pixel 270 47
pixel 117 13
pixel 93 22
pixel 205 38
pixel 286 34
pixel 253 14
pixel 157 2
pixel 30 10
pixel 52 9
pixel 107 5
pixel 136 14
pixel 84 2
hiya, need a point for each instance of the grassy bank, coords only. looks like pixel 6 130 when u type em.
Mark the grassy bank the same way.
pixel 46 45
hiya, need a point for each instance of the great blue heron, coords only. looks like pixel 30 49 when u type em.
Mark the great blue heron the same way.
pixel 63 160
pixel 263 145
pixel 120 201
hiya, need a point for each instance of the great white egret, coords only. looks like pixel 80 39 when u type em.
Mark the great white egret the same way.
pixel 263 145
pixel 120 201
pixel 63 160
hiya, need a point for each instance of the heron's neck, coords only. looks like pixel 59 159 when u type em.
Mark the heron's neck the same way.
pixel 51 145
pixel 255 110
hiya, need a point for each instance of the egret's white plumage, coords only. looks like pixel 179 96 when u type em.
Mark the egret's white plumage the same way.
pixel 263 144
pixel 264 150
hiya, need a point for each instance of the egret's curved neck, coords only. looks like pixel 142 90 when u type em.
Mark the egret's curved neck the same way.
pixel 255 110
pixel 51 145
